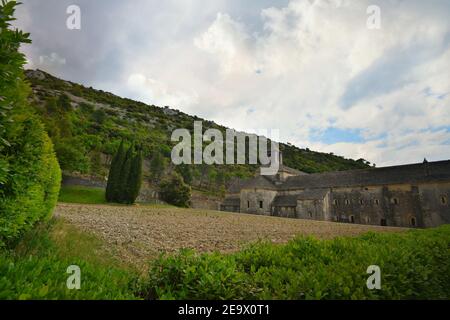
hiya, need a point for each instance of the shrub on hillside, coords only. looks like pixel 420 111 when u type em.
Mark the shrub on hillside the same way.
pixel 414 265
pixel 173 190
pixel 29 175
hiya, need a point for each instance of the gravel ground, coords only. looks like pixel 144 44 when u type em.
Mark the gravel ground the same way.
pixel 136 234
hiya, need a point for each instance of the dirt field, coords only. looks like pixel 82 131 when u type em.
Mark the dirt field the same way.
pixel 136 233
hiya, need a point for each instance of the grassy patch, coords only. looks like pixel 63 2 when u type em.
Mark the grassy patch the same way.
pixel 35 268
pixel 83 195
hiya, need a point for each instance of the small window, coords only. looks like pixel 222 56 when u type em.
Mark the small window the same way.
pixel 347 202
pixel 336 202
pixel 310 214
pixel 444 200
pixel 352 219
pixel 361 202
pixel 261 204
pixel 413 222
pixel 383 222
pixel 395 201
pixel 248 204
pixel 377 202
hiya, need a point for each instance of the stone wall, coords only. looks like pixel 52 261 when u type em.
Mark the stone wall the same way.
pixel 202 201
pixel 85 181
pixel 257 201
pixel 401 205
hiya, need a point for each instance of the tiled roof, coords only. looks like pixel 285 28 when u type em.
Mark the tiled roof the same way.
pixel 415 173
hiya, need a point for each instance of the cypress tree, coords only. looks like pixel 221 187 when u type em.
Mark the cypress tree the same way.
pixel 122 186
pixel 114 174
pixel 135 178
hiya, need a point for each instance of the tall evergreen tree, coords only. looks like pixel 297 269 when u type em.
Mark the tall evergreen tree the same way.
pixel 135 178
pixel 114 174
pixel 122 192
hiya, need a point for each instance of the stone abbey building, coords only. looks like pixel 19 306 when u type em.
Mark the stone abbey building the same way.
pixel 414 195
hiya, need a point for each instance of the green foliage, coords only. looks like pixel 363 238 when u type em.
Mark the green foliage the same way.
pixel 29 172
pixel 414 265
pixel 125 176
pixel 36 267
pixel 174 191
pixel 79 194
pixel 11 63
pixel 134 181
pixel 186 172
pixel 64 103
pixel 157 166
pixel 71 157
pixel 113 186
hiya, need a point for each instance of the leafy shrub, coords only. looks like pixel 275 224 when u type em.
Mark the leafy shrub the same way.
pixel 414 265
pixel 173 190
pixel 29 172
pixel 31 190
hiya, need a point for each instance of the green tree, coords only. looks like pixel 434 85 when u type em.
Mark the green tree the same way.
pixel 134 179
pixel 185 171
pixel 122 195
pixel 173 190
pixel 72 156
pixel 112 187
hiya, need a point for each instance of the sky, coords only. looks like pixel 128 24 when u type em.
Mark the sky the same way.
pixel 323 72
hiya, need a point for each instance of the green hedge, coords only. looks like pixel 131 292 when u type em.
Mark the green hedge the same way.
pixel 414 265
pixel 29 172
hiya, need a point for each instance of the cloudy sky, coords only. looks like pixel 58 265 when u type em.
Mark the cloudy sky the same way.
pixel 311 68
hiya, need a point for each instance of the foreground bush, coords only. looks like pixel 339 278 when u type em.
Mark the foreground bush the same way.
pixel 414 265
pixel 29 172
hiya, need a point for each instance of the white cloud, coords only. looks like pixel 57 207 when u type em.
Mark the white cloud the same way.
pixel 302 68
pixel 51 61
pixel 157 92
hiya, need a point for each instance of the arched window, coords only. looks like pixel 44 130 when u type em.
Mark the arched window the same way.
pixel 444 200
pixel 413 222
pixel 347 202
pixel 336 202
